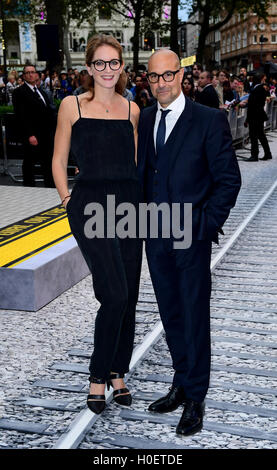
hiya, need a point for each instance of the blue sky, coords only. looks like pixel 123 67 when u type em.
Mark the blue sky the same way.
pixel 183 15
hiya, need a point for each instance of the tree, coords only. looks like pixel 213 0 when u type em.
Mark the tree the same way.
pixel 174 22
pixel 62 12
pixel 146 15
pixel 224 9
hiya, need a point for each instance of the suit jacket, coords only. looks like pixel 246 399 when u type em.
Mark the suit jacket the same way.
pixel 203 168
pixel 256 103
pixel 33 117
pixel 208 97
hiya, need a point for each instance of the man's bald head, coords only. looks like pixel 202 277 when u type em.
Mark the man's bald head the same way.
pixel 164 53
pixel 165 60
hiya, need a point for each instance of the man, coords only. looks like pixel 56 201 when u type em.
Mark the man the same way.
pixel 185 155
pixel 222 76
pixel 41 87
pixel 137 87
pixel 256 116
pixel 234 83
pixel 208 96
pixel 36 121
pixel 196 70
pixel 84 83
pixel 243 78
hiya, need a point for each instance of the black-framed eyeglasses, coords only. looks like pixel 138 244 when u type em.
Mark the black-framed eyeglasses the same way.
pixel 168 76
pixel 100 65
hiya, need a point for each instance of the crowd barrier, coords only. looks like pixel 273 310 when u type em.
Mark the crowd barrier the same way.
pixel 11 146
pixel 237 117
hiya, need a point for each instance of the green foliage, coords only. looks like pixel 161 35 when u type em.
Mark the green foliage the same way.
pixel 4 109
pixel 57 103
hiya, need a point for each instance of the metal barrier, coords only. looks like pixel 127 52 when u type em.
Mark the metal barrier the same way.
pixel 237 117
pixel 11 148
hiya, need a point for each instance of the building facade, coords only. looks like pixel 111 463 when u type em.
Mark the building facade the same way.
pixel 241 41
pixel 192 35
pixel 21 46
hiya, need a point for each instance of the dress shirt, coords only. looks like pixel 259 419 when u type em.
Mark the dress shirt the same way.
pixel 32 88
pixel 177 107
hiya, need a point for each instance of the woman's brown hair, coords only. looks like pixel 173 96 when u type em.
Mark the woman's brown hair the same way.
pixel 99 40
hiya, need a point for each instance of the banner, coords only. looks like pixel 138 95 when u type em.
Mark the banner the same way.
pixel 25 37
pixel 188 61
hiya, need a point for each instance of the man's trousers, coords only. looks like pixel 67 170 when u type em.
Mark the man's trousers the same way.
pixel 182 283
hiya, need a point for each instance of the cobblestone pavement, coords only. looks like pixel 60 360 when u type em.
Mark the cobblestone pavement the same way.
pixel 54 344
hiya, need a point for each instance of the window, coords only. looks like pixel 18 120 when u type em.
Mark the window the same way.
pixel 233 42
pixel 238 40
pixel 255 39
pixel 223 45
pixel 254 27
pixel 273 26
pixel 217 36
pixel 244 43
pixel 274 38
pixel 262 26
pixel 228 43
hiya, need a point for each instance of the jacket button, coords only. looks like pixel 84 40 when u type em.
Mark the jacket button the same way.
pixel 156 171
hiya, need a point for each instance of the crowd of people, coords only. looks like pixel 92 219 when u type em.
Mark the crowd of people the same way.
pixel 213 88
pixel 227 90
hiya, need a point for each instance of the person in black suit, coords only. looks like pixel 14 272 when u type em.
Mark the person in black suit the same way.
pixel 256 116
pixel 36 121
pixel 208 96
pixel 185 155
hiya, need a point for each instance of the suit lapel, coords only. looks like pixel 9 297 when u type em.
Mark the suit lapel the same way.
pixel 32 95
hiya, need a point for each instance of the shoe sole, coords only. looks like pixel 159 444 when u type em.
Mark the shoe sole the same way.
pixel 194 431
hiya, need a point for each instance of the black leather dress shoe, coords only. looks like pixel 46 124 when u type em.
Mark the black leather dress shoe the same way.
pixel 170 402
pixel 192 418
pixel 252 159
pixel 266 157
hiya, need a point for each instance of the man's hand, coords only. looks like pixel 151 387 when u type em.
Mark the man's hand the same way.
pixel 33 140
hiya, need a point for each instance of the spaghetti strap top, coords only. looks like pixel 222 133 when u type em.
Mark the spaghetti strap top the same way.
pixel 78 104
pixel 103 149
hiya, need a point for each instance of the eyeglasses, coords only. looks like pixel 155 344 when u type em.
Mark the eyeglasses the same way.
pixel 100 65
pixel 168 76
pixel 27 73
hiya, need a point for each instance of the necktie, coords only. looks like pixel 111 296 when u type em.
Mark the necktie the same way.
pixel 161 131
pixel 38 95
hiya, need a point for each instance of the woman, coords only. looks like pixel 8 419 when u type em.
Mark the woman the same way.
pixel 99 127
pixel 188 87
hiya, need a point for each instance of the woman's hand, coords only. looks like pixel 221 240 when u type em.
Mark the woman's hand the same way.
pixel 66 202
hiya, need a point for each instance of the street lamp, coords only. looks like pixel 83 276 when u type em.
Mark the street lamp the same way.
pixel 262 40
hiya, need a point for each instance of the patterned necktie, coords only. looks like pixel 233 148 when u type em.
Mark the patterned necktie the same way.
pixel 38 95
pixel 161 131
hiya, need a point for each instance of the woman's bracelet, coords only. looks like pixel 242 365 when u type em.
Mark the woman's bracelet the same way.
pixel 65 198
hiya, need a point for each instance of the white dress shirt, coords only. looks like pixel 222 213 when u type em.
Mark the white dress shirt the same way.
pixel 177 107
pixel 32 88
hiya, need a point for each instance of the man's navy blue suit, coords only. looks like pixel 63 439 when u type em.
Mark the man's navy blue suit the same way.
pixel 198 166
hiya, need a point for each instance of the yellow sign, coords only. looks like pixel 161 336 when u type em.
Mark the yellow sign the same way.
pixel 31 236
pixel 188 61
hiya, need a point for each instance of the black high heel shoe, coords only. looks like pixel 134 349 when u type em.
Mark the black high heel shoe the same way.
pixel 96 403
pixel 125 400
